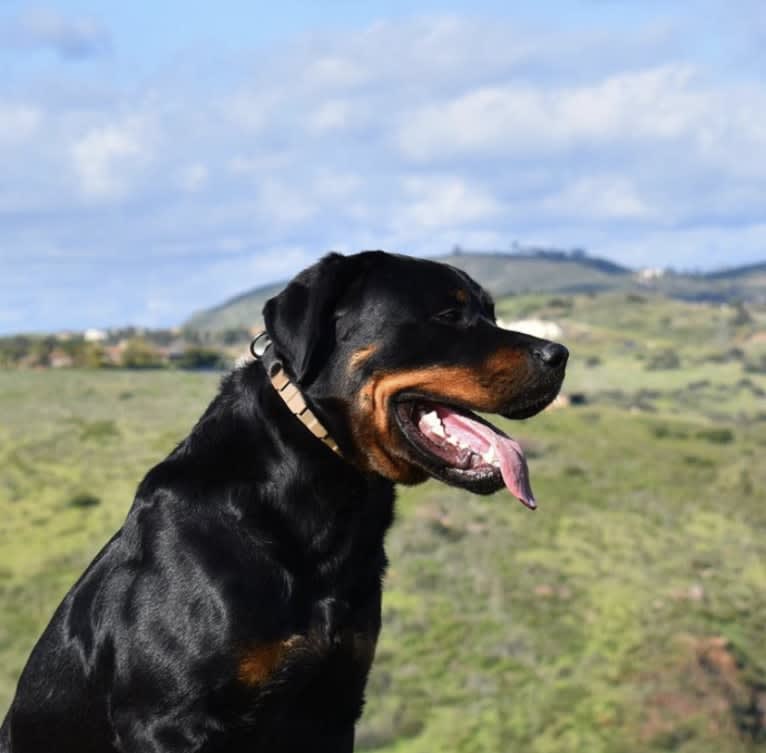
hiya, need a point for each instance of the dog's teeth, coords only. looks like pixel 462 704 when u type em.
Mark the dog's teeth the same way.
pixel 433 423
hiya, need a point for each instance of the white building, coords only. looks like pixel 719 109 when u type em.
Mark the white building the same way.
pixel 546 330
pixel 94 335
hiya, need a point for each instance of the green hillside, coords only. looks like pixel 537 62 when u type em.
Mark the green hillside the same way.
pixel 625 615
pixel 502 274
pixel 542 272
pixel 242 311
pixel 506 274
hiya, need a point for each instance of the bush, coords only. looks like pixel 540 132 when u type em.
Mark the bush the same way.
pixel 718 436
pixel 731 354
pixel 139 354
pixel 741 316
pixel 666 431
pixel 197 357
pixel 756 365
pixel 84 500
pixel 664 360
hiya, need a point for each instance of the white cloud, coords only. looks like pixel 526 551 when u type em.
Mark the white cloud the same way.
pixel 445 201
pixel 107 158
pixel 193 177
pixel 283 203
pixel 332 72
pixel 255 165
pixel 18 123
pixel 657 104
pixel 251 110
pixel 599 197
pixel 330 115
pixel 335 186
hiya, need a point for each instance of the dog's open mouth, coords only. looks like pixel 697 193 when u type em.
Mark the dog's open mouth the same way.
pixel 462 449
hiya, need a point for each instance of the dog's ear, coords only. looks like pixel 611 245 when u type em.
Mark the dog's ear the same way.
pixel 300 320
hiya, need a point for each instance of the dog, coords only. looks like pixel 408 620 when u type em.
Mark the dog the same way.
pixel 238 607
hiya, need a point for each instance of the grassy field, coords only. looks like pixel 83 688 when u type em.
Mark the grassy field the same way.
pixel 626 614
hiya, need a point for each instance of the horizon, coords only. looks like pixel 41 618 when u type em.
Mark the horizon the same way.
pixel 160 160
pixel 520 251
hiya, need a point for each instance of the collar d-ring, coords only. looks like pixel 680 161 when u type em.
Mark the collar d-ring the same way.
pixel 260 344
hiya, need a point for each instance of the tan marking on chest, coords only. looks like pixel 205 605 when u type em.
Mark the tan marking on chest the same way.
pixel 258 663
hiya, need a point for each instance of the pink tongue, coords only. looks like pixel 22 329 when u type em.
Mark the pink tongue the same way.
pixel 513 464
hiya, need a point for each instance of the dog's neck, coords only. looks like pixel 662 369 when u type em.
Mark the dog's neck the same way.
pixel 263 351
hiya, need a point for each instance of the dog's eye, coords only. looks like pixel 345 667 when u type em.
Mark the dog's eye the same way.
pixel 449 316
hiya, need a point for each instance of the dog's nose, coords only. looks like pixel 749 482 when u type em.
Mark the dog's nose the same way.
pixel 552 355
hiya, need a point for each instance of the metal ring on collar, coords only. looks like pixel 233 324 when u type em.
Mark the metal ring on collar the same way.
pixel 260 344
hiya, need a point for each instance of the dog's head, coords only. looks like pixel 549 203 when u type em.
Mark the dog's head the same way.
pixel 396 353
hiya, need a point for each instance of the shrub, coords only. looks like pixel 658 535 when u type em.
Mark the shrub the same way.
pixel 664 360
pixel 756 365
pixel 666 431
pixel 84 500
pixel 139 354
pixel 197 357
pixel 741 316
pixel 717 435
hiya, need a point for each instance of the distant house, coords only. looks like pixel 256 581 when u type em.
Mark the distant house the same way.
pixel 648 274
pixel 114 353
pixel 59 359
pixel 94 335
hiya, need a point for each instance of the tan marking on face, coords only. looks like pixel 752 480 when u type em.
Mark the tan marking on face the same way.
pixel 461 295
pixel 360 356
pixel 487 387
pixel 260 662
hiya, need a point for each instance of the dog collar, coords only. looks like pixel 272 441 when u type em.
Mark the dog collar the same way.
pixel 289 392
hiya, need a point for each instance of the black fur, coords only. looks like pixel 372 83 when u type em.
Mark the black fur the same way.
pixel 249 534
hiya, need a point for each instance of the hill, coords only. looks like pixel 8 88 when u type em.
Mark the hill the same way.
pixel 543 272
pixel 502 274
pixel 554 272
pixel 243 310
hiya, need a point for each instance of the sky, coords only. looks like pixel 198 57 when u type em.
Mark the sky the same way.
pixel 158 158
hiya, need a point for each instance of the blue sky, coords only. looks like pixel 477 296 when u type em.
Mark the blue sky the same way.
pixel 158 158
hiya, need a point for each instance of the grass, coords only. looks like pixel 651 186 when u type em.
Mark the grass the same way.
pixel 626 614
pixel 548 631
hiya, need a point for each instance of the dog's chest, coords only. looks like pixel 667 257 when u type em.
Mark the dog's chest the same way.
pixel 337 647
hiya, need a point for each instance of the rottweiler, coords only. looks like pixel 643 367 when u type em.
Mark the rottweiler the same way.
pixel 238 607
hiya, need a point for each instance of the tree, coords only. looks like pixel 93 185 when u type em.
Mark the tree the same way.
pixel 139 354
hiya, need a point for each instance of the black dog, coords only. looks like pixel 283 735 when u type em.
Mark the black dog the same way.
pixel 238 607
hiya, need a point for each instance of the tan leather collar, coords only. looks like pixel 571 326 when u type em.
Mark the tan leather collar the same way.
pixel 289 392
